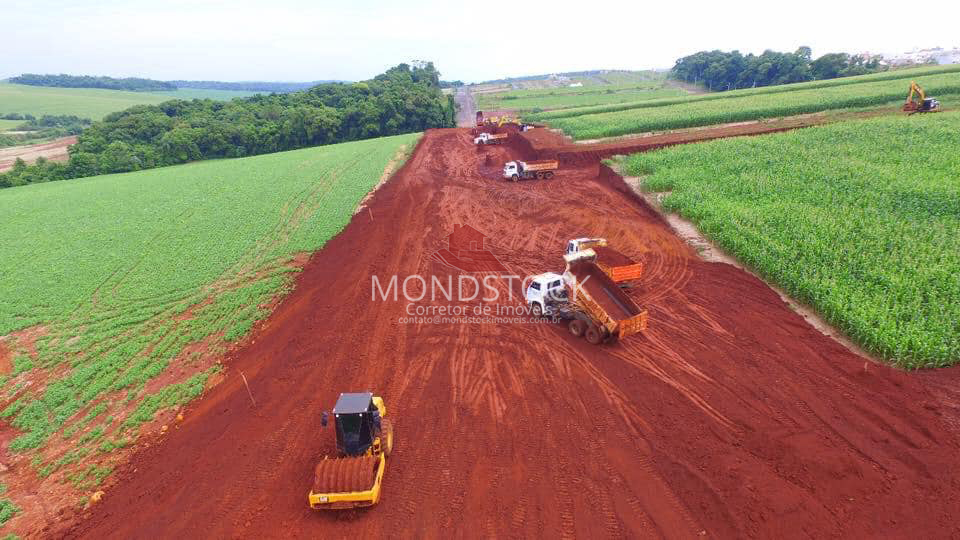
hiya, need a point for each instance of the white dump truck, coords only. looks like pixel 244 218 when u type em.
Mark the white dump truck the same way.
pixel 592 304
pixel 490 138
pixel 522 170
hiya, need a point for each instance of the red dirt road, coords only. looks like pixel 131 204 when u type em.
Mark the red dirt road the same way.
pixel 731 417
pixel 55 150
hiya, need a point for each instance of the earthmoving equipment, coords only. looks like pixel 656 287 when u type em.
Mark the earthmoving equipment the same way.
pixel 364 440
pixel 594 306
pixel 918 102
pixel 490 138
pixel 516 170
pixel 479 118
pixel 618 266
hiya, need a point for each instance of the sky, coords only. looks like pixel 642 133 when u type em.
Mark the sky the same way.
pixel 297 40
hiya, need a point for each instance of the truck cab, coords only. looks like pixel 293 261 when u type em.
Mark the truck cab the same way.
pixel 544 293
pixel 580 244
pixel 512 169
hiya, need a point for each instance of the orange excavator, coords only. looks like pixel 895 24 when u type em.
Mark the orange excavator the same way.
pixel 918 102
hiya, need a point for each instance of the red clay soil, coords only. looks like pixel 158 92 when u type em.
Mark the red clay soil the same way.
pixel 611 257
pixel 604 291
pixel 729 417
pixel 55 150
pixel 547 144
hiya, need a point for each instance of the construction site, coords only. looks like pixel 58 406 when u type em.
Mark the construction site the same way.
pixel 708 406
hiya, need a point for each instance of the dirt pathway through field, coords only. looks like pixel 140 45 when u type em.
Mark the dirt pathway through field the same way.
pixel 55 150
pixel 731 417
pixel 467 113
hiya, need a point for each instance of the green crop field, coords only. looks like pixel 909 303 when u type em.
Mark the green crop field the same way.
pixel 6 125
pixel 901 74
pixel 118 275
pixel 565 97
pixel 858 219
pixel 92 103
pixel 750 107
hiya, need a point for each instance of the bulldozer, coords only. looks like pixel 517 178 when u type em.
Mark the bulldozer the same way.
pixel 352 478
pixel 918 102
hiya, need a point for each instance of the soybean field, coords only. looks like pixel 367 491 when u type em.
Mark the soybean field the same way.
pixel 122 288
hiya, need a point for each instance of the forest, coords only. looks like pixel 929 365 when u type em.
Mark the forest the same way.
pixel 719 70
pixel 133 84
pixel 404 99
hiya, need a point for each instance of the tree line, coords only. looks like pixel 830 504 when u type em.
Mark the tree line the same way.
pixel 134 84
pixel 719 70
pixel 404 99
pixel 249 86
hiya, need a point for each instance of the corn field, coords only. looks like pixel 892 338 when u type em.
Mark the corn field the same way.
pixel 859 220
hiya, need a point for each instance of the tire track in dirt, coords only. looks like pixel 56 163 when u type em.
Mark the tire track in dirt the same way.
pixel 523 430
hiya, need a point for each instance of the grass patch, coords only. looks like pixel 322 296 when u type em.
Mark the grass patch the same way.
pixel 127 270
pixel 93 103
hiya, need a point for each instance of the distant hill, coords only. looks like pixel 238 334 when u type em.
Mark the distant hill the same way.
pixel 250 86
pixel 136 84
pixel 133 84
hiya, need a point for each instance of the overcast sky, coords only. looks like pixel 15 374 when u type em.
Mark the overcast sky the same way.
pixel 294 40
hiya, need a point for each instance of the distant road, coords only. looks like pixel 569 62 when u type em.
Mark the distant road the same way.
pixel 467 114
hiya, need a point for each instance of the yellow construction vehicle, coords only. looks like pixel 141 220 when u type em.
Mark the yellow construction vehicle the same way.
pixel 918 102
pixel 364 440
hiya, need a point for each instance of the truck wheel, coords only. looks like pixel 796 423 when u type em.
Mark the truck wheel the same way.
pixel 516 178
pixel 577 327
pixel 548 175
pixel 536 310
pixel 386 432
pixel 593 335
pixel 539 176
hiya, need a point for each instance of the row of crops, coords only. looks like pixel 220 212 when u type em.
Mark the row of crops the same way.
pixel 123 272
pixel 549 100
pixel 779 89
pixel 857 219
pixel 752 107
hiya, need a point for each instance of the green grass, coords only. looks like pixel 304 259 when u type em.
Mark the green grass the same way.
pixel 90 103
pixel 110 265
pixel 565 97
pixel 751 107
pixel 857 219
pixel 201 93
pixel 6 125
pixel 900 74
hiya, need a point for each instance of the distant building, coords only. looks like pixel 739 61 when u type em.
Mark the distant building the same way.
pixel 937 55
pixel 575 85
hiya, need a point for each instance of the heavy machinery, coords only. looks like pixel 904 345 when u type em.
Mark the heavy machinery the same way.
pixel 516 170
pixel 918 102
pixel 618 266
pixel 594 306
pixel 490 138
pixel 479 118
pixel 364 441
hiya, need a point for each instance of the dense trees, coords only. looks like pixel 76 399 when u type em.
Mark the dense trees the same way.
pixel 405 99
pixel 86 81
pixel 718 70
